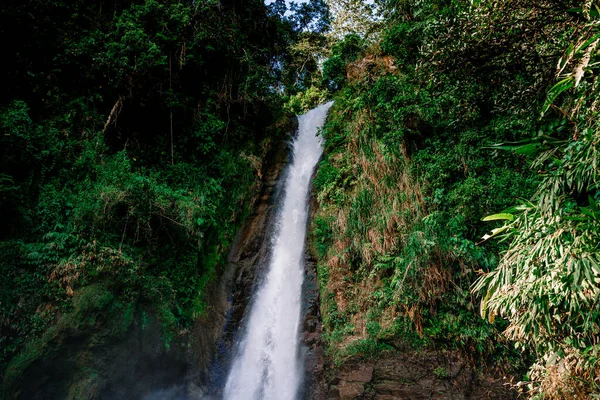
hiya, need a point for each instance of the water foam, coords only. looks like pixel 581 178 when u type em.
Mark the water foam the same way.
pixel 267 365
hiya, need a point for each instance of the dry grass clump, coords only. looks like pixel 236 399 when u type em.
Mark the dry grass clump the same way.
pixel 563 378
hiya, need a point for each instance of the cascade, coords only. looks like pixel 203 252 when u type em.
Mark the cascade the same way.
pixel 267 364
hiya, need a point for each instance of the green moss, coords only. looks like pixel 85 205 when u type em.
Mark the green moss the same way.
pixel 31 353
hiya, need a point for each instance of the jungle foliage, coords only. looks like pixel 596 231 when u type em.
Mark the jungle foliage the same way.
pixel 452 123
pixel 132 135
pixel 460 175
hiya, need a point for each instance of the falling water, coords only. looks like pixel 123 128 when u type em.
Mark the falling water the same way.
pixel 267 365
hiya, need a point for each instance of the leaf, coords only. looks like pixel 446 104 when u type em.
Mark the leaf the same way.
pixel 520 207
pixel 586 211
pixel 495 232
pixel 501 216
pixel 529 146
pixel 555 91
pixel 594 13
pixel 593 204
pixel 589 41
pixel 562 63
pixel 529 149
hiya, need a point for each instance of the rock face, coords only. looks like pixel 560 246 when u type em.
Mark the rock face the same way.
pixel 411 375
pixel 247 260
pixel 313 349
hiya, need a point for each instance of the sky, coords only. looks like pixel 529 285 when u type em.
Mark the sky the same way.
pixel 300 1
pixel 287 1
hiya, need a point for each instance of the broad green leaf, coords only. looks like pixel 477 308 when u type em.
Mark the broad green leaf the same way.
pixel 593 204
pixel 529 149
pixel 501 216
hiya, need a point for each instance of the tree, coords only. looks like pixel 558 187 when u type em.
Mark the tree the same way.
pixel 352 17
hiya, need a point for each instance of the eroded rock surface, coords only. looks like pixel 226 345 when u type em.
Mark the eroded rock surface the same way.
pixel 410 375
pixel 247 261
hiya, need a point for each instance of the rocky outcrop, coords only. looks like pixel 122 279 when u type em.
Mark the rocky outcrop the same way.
pixel 247 260
pixel 411 375
pixel 313 349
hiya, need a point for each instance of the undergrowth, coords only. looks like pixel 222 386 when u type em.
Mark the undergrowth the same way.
pixel 402 188
pixel 466 121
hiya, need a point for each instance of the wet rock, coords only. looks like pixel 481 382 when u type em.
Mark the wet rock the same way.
pixel 311 338
pixel 194 392
pixel 247 261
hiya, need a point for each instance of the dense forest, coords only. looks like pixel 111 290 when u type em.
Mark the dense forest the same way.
pixel 455 207
pixel 461 179
pixel 132 140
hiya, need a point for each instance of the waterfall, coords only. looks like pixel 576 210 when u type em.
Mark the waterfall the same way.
pixel 267 363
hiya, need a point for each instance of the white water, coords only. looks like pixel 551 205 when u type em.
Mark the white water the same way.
pixel 267 364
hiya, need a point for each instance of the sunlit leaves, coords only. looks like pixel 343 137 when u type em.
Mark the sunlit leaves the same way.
pixel 501 216
pixel 548 282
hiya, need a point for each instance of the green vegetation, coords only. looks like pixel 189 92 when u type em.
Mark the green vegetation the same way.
pixel 132 136
pixel 454 115
pixel 460 175
pixel 547 284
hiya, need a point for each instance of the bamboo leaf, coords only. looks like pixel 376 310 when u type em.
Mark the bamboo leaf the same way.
pixel 556 90
pixel 495 232
pixel 501 216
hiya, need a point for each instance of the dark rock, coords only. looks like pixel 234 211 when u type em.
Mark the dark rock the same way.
pixel 311 338
pixel 334 393
pixel 247 261
pixel 390 388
